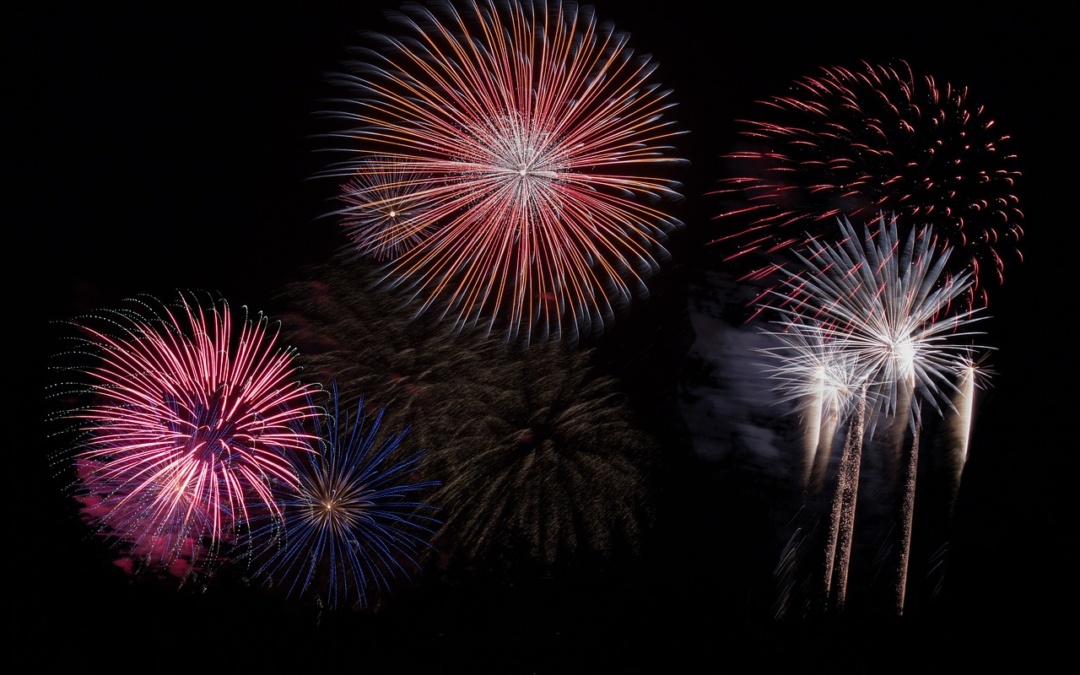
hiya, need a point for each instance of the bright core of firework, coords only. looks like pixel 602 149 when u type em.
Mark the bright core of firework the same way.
pixel 384 214
pixel 812 368
pixel 536 145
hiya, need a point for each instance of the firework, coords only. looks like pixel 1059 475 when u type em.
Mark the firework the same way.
pixel 369 341
pixel 821 378
pixel 881 311
pixel 187 428
pixel 386 211
pixel 536 145
pixel 354 525
pixel 538 457
pixel 889 303
pixel 856 142
pixel 543 464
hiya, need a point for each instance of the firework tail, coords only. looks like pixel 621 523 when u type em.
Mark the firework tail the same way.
pixel 849 469
pixel 907 511
pixel 960 429
pixel 842 513
pixel 818 454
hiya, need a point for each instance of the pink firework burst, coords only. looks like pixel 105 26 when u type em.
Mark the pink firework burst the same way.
pixel 854 143
pixel 188 428
pixel 538 147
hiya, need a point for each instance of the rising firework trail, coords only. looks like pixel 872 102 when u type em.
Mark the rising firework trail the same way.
pixel 538 147
pixel 842 517
pixel 973 378
pixel 856 142
pixel 187 426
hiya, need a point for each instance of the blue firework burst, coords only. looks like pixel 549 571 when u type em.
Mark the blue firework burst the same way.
pixel 356 523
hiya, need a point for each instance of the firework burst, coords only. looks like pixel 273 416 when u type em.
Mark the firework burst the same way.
pixel 536 144
pixel 878 316
pixel 543 463
pixel 822 378
pixel 187 428
pixel 889 303
pixel 364 339
pixel 354 525
pixel 386 213
pixel 856 142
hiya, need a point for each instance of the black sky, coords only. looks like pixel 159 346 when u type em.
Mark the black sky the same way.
pixel 150 149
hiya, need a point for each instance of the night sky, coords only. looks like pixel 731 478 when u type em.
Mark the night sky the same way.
pixel 163 149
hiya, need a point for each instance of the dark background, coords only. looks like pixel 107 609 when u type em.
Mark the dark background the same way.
pixel 155 149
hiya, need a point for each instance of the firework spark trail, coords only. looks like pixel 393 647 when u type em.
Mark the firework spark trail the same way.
pixel 354 524
pixel 973 377
pixel 963 402
pixel 855 142
pixel 188 426
pixel 907 517
pixel 537 137
pixel 847 492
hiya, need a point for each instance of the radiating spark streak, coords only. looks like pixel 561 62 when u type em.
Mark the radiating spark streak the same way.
pixel 907 516
pixel 964 402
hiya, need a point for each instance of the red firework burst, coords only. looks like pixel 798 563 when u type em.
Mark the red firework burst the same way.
pixel 188 429
pixel 859 143
pixel 536 145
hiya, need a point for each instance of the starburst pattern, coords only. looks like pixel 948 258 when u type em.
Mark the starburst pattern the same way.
pixel 856 142
pixel 188 427
pixel 889 302
pixel 822 378
pixel 386 211
pixel 355 523
pixel 538 146
pixel 543 464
